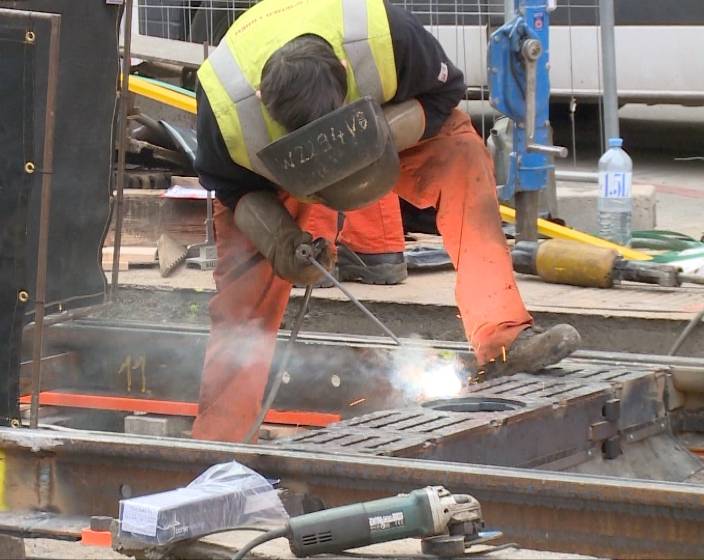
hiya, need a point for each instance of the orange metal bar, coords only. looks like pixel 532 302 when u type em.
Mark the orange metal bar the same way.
pixel 174 408
pixel 96 538
pixel 301 418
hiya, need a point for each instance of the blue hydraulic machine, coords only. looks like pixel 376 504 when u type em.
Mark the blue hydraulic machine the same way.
pixel 519 84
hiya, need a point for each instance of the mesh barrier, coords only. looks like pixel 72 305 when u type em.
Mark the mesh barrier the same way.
pixel 462 26
pixel 654 40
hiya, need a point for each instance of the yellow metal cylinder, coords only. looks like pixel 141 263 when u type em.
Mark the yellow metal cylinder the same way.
pixel 577 264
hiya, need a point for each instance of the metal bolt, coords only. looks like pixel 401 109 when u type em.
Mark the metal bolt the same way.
pixel 30 37
pixel 531 49
pixel 335 380
pixel 29 167
pixel 286 378
pixel 23 296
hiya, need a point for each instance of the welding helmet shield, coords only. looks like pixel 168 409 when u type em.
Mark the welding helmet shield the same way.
pixel 346 159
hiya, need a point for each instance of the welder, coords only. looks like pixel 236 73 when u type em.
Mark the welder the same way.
pixel 287 63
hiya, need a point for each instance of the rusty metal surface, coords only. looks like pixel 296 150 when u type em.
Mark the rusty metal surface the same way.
pixel 562 418
pixel 124 99
pixel 641 390
pixel 83 473
pixel 324 375
pixel 327 372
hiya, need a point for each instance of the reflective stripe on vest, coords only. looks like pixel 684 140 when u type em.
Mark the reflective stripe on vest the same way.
pixel 358 50
pixel 358 30
pixel 246 104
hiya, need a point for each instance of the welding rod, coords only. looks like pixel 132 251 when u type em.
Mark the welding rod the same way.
pixel 305 252
pixel 283 364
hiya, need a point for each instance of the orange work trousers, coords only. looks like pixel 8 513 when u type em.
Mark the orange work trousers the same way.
pixel 374 229
pixel 452 172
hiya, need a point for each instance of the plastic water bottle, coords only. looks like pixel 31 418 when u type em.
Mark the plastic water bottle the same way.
pixel 615 202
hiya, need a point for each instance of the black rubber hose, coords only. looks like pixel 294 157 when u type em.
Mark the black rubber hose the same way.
pixel 261 539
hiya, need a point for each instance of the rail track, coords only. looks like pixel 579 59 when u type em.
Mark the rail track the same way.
pixel 83 472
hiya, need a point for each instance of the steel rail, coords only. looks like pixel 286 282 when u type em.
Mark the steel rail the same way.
pixel 374 341
pixel 598 515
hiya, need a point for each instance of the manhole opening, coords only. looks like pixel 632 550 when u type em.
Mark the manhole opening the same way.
pixel 474 404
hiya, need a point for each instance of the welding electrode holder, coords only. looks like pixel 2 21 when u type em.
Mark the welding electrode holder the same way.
pixel 306 251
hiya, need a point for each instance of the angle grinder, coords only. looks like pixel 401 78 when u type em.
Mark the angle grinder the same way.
pixel 447 524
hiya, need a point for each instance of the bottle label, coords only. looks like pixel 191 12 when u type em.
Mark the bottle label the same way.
pixel 615 184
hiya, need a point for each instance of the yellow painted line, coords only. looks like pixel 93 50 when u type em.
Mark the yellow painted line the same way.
pixel 162 94
pixel 561 232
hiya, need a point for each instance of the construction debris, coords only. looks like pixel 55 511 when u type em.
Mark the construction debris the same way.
pixel 170 254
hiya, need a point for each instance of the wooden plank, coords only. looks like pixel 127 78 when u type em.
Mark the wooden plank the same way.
pixel 130 257
pixel 135 254
pixel 148 215
pixel 43 524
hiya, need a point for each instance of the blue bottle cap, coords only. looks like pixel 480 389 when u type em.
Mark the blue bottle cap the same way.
pixel 615 142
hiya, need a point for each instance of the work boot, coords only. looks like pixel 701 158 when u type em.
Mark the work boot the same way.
pixel 383 268
pixel 532 351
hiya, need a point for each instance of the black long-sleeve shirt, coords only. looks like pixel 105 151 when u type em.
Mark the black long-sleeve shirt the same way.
pixel 423 72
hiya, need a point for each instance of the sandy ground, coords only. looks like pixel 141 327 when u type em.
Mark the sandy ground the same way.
pixel 51 549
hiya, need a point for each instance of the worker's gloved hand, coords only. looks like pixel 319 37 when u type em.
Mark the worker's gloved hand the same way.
pixel 267 224
pixel 407 122
pixel 325 253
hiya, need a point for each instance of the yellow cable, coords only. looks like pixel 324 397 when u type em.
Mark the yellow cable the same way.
pixel 163 95
pixel 561 232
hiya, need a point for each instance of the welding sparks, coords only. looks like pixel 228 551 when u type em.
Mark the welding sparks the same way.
pixel 433 380
pixel 358 401
pixel 441 381
pixel 424 374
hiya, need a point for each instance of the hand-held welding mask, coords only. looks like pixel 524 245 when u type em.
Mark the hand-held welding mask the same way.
pixel 348 158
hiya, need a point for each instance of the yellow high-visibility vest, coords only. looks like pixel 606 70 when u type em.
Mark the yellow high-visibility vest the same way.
pixel 358 31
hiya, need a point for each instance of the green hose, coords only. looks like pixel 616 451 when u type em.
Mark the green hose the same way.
pixel 663 240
